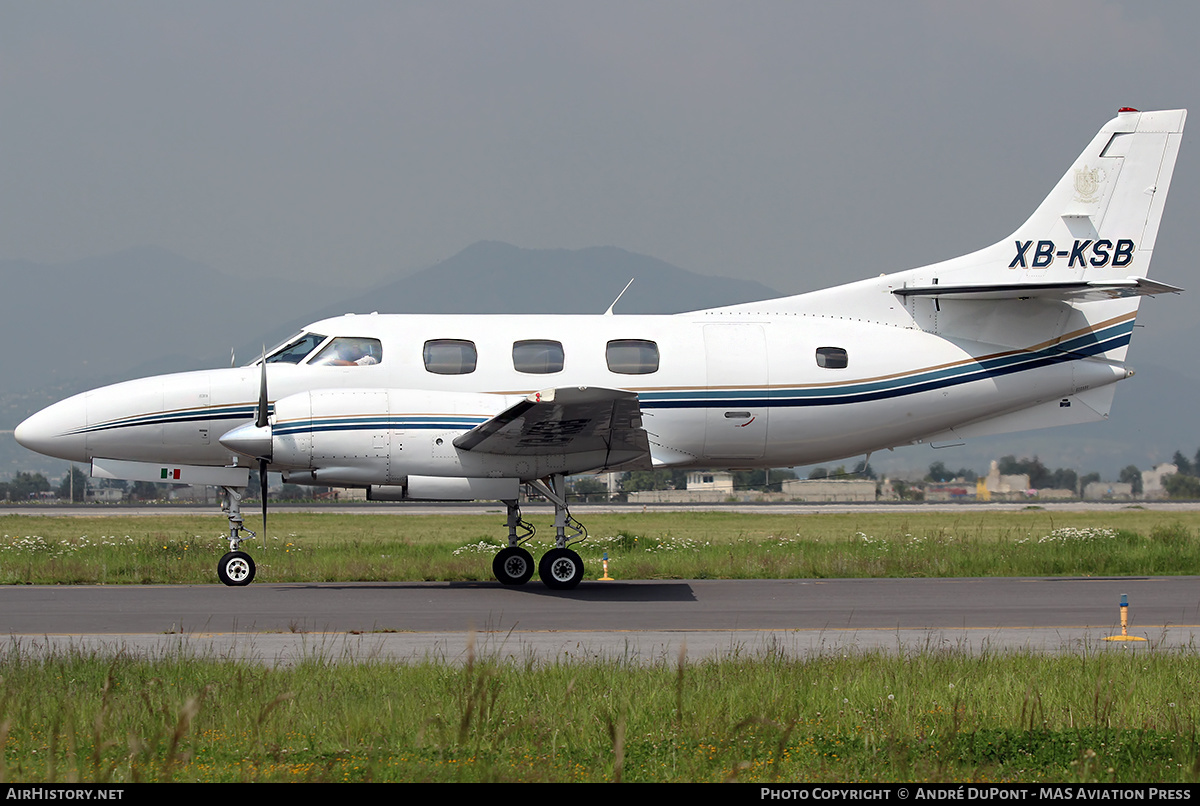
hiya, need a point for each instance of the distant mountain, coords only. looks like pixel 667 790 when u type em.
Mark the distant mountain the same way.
pixel 494 277
pixel 108 318
pixel 146 311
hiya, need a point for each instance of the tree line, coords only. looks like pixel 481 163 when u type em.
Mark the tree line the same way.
pixel 73 487
pixel 1185 483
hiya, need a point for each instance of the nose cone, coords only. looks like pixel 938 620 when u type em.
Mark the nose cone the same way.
pixel 249 440
pixel 58 430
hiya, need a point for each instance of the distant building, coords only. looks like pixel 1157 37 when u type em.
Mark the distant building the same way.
pixel 703 486
pixel 1108 491
pixel 957 490
pixel 1052 494
pixel 105 495
pixel 710 481
pixel 344 494
pixel 1152 480
pixel 1002 487
pixel 195 493
pixel 829 490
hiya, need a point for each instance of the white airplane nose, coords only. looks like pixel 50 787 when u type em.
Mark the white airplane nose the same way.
pixel 57 430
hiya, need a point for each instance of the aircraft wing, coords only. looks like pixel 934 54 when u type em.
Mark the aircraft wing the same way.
pixel 568 420
pixel 1079 291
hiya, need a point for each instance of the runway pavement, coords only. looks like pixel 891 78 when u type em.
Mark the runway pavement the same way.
pixel 641 622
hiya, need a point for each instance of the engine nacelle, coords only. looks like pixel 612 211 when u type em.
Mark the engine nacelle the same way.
pixel 441 488
pixel 400 437
pixel 380 436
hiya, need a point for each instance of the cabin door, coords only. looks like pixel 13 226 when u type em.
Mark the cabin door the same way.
pixel 736 360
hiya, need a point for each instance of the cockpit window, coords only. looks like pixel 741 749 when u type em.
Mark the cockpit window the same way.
pixel 294 352
pixel 346 351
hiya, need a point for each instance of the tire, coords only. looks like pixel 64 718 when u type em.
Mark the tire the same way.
pixel 561 569
pixel 513 566
pixel 236 569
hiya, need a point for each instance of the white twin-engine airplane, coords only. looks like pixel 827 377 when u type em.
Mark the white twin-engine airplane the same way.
pixel 1027 333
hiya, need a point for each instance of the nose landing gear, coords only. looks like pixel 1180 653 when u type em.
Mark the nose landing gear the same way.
pixel 236 568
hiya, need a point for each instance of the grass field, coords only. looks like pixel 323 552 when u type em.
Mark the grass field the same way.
pixel 1101 715
pixel 655 545
pixel 934 716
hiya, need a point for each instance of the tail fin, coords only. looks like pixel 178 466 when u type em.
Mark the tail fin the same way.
pixel 1098 224
pixel 1089 241
pixel 1102 218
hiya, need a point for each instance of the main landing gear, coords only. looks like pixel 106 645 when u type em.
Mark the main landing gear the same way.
pixel 560 568
pixel 236 568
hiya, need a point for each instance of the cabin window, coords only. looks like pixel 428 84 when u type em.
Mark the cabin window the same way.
pixel 346 351
pixel 832 358
pixel 537 357
pixel 450 356
pixel 294 351
pixel 632 356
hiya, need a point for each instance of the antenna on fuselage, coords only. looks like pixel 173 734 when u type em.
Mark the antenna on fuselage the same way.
pixel 609 312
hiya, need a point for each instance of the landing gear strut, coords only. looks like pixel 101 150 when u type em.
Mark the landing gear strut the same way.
pixel 560 568
pixel 236 568
pixel 514 565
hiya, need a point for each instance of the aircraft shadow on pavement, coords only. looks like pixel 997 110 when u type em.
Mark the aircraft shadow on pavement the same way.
pixel 657 591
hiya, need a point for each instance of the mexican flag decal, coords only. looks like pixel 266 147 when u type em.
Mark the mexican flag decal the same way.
pixel 169 473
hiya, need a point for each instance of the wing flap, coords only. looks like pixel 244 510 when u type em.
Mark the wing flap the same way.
pixel 567 420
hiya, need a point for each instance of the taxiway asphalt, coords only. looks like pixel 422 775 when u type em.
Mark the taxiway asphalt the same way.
pixel 642 621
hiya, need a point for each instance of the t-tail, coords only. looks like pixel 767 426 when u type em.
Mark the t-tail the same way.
pixel 1063 288
pixel 1089 241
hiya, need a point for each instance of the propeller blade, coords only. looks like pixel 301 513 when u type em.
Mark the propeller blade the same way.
pixel 260 418
pixel 262 480
pixel 260 421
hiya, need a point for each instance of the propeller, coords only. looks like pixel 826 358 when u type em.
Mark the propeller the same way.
pixel 260 421
pixel 254 439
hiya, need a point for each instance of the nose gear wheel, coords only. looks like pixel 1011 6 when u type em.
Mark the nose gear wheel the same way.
pixel 236 569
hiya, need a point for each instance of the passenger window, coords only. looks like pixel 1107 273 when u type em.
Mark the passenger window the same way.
pixel 832 358
pixel 294 351
pixel 348 352
pixel 632 356
pixel 450 356
pixel 537 357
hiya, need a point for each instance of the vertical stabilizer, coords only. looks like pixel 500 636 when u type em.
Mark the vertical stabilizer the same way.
pixel 1100 221
pixel 1073 274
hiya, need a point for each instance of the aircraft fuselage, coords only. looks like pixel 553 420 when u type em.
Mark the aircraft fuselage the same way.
pixel 727 391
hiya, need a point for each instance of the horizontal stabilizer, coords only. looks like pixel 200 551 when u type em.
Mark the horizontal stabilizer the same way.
pixel 1080 291
pixel 568 420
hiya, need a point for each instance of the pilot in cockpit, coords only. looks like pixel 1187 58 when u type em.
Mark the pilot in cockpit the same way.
pixel 346 352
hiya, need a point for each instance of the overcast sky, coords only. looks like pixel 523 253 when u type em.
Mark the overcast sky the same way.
pixel 796 144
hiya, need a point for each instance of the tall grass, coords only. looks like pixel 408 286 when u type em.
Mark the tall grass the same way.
pixel 931 716
pixel 338 547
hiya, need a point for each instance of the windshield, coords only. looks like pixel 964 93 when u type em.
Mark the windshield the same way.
pixel 294 351
pixel 345 351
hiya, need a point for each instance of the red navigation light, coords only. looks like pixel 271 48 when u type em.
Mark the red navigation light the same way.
pixel 1126 109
